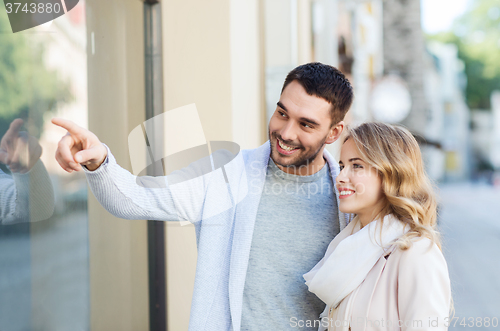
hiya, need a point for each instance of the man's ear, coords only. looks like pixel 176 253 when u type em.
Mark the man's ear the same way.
pixel 335 132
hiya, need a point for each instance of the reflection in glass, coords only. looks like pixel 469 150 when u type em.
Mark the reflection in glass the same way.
pixel 44 277
pixel 26 194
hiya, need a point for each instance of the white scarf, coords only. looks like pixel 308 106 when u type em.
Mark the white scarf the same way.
pixel 350 257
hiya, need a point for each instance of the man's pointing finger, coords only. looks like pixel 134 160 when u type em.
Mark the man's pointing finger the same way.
pixel 67 124
pixel 14 128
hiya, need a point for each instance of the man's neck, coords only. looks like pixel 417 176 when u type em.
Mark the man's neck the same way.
pixel 305 170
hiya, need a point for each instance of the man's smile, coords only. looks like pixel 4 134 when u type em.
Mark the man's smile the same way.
pixel 284 148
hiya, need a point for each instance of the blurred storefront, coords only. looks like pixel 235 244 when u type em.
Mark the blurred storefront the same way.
pixel 44 259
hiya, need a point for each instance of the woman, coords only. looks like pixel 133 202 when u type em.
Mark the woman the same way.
pixel 385 270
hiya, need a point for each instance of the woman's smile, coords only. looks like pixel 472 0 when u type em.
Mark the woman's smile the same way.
pixel 345 192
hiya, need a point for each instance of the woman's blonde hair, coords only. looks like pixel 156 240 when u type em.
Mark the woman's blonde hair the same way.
pixel 395 153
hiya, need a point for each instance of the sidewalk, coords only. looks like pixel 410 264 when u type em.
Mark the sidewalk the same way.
pixel 470 227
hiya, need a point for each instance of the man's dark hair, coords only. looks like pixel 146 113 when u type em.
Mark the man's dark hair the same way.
pixel 326 82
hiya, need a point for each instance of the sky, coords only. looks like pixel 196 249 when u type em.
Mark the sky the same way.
pixel 438 15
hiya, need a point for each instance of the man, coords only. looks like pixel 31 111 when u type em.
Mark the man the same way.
pixel 252 255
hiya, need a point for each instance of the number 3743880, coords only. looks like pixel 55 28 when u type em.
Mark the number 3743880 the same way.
pixel 32 7
pixel 471 322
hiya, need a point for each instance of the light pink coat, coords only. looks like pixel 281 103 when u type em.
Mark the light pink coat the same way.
pixel 409 289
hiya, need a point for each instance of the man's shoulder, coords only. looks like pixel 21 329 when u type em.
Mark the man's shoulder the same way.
pixel 261 148
pixel 261 152
pixel 330 160
pixel 225 155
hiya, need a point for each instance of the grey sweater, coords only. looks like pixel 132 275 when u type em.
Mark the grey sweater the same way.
pixel 296 220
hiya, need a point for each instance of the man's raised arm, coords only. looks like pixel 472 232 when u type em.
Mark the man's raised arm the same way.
pixel 128 196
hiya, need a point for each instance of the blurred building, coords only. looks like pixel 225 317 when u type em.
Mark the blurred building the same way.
pixel 447 136
pixel 485 128
pixel 404 51
pixel 385 40
pixel 495 150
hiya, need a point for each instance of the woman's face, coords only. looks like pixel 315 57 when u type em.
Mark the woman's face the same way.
pixel 359 185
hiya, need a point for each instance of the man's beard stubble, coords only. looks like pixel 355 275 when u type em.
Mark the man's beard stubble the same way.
pixel 303 161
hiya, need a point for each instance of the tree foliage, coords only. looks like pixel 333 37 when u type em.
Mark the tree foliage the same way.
pixel 27 88
pixel 477 36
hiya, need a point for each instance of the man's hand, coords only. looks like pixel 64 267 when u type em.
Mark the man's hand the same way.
pixel 78 146
pixel 19 150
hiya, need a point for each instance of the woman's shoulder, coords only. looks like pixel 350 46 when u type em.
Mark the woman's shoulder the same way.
pixel 421 245
pixel 422 252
